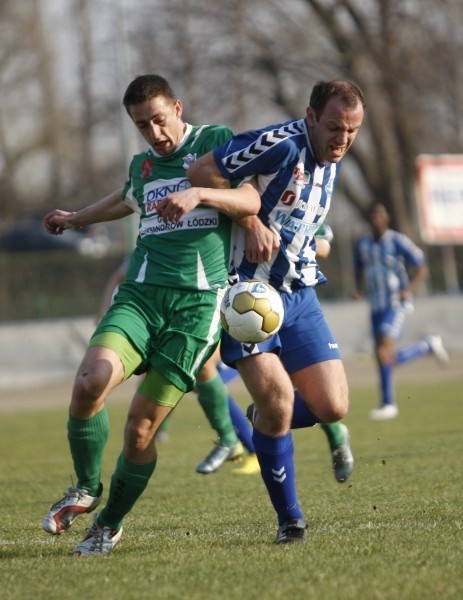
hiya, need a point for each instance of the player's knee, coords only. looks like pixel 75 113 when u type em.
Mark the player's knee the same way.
pixel 274 417
pixel 333 408
pixel 385 352
pixel 139 435
pixel 91 385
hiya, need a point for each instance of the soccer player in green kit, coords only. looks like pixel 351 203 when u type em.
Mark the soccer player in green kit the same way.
pixel 165 316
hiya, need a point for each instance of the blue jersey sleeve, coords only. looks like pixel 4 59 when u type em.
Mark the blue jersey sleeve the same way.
pixel 411 253
pixel 263 151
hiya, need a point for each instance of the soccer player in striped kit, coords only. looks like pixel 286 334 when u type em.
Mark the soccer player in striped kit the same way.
pixel 296 166
pixel 383 260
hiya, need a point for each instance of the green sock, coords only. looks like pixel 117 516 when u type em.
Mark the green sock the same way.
pixel 87 440
pixel 127 484
pixel 334 433
pixel 213 398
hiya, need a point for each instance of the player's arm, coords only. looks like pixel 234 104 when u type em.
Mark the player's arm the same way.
pixel 260 241
pixel 323 237
pixel 234 203
pixel 204 172
pixel 108 208
pixel 417 276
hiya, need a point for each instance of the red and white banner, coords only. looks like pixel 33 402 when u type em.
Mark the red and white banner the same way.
pixel 440 198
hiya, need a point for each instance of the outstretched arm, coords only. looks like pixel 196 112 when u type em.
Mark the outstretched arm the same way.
pixel 108 208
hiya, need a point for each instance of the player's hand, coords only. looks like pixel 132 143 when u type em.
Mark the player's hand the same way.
pixel 405 295
pixel 356 295
pixel 260 241
pixel 56 221
pixel 175 206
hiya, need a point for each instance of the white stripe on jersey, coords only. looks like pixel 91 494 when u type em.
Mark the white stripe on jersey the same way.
pixel 296 195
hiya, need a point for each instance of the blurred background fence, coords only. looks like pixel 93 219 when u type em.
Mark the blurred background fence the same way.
pixel 52 284
pixel 57 283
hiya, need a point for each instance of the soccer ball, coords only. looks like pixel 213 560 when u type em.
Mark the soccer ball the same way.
pixel 251 311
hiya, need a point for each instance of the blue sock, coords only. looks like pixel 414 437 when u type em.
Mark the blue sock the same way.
pixel 302 417
pixel 241 425
pixel 387 384
pixel 409 353
pixel 275 457
pixel 226 373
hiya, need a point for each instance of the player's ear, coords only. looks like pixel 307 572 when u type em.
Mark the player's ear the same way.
pixel 178 108
pixel 311 118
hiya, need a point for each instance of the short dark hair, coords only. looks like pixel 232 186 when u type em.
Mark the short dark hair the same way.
pixel 145 87
pixel 373 206
pixel 349 93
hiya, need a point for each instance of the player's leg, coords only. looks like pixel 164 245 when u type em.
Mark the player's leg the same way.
pixel 337 435
pixel 385 359
pixel 88 430
pixel 387 328
pixel 250 464
pixel 272 392
pixel 187 333
pixel 323 388
pixel 135 464
pixel 432 344
pixel 213 398
pixel 88 425
pixel 110 359
pixel 310 353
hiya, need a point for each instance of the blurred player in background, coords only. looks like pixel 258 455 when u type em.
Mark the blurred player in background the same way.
pixel 390 267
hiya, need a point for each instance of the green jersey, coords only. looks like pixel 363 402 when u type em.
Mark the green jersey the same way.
pixel 193 253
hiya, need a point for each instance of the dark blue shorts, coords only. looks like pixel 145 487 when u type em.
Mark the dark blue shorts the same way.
pixel 390 322
pixel 304 339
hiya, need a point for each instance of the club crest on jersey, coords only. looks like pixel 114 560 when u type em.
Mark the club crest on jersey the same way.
pixel 146 169
pixel 188 160
pixel 301 177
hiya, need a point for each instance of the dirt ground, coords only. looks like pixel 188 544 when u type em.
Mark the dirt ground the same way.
pixel 360 371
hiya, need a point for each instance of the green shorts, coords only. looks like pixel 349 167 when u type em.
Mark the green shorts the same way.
pixel 174 331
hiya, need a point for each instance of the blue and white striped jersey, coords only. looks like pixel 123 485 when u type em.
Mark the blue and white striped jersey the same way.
pixel 296 194
pixel 384 266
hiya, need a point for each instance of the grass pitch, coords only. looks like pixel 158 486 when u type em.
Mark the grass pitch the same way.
pixel 393 531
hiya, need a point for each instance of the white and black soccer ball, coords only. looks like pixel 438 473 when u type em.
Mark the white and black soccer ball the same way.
pixel 251 311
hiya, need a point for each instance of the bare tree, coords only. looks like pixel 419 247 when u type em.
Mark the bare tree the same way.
pixel 241 63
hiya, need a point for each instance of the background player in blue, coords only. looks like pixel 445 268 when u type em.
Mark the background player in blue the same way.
pixel 391 267
pixel 296 165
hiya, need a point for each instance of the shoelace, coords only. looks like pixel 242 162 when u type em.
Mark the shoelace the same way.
pixel 72 492
pixel 97 533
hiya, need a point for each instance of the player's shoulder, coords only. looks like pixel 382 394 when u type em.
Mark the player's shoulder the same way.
pixel 214 129
pixel 400 238
pixel 405 244
pixel 210 136
pixel 287 132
